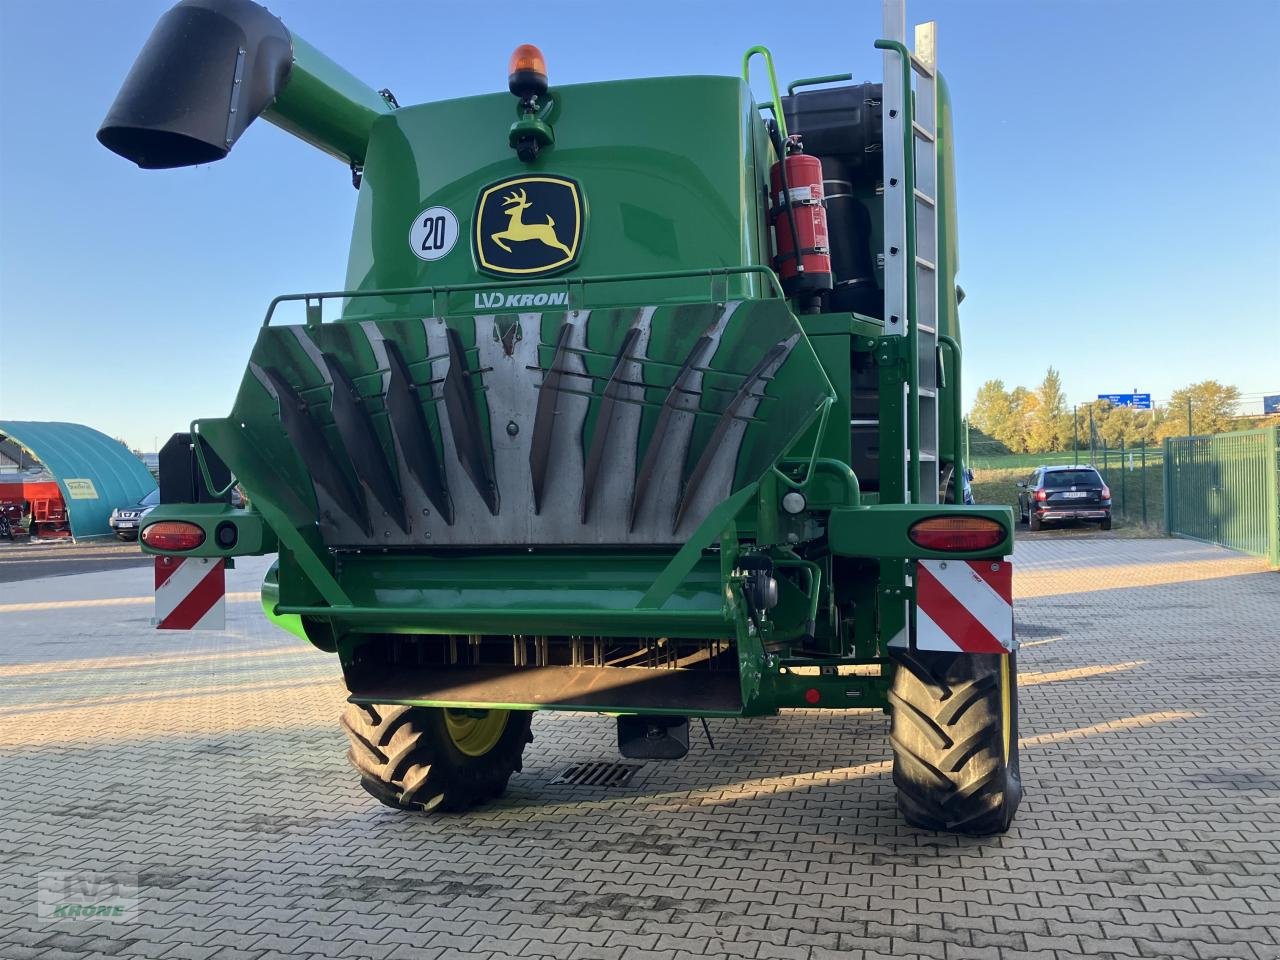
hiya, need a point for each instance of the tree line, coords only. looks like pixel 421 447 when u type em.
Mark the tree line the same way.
pixel 1040 421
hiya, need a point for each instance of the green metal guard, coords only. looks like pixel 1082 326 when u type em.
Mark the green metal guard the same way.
pixel 813 574
pixel 773 82
pixel 959 455
pixel 197 445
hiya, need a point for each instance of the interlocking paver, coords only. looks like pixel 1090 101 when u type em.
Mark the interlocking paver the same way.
pixel 210 768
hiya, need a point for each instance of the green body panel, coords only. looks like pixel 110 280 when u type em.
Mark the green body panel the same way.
pixel 546 404
pixel 326 106
pixel 668 169
pixel 289 622
pixel 253 536
pixel 948 245
pixel 950 397
pixel 881 531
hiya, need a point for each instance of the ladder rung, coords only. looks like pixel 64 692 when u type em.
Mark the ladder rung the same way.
pixel 926 328
pixel 921 67
pixel 921 132
pixel 925 264
pixel 864 423
pixel 926 392
pixel 924 198
pixel 924 457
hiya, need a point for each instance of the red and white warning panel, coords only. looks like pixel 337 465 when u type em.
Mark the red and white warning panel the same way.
pixel 964 605
pixel 191 593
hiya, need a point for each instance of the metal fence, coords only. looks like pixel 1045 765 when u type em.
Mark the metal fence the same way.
pixel 1134 476
pixel 1223 490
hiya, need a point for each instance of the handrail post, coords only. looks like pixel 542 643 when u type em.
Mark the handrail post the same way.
pixel 773 83
pixel 795 85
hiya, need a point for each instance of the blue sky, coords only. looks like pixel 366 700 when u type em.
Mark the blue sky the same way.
pixel 1117 168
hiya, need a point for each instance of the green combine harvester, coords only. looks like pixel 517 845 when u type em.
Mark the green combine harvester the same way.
pixel 640 398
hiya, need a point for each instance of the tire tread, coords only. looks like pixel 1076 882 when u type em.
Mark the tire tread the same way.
pixel 947 735
pixel 405 759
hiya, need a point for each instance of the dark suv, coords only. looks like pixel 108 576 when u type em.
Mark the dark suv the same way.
pixel 1064 493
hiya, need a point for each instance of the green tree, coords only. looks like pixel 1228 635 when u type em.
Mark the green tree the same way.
pixel 1114 425
pixel 1212 406
pixel 1119 426
pixel 1089 415
pixel 1048 423
pixel 1013 433
pixel 991 408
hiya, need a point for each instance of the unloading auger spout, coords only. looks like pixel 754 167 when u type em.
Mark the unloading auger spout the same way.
pixel 211 67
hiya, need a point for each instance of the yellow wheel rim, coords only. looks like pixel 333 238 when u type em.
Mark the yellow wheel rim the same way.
pixel 475 732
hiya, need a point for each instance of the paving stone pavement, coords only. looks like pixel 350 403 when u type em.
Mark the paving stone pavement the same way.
pixel 208 768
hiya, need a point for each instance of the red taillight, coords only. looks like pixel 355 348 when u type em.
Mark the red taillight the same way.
pixel 958 534
pixel 1106 492
pixel 173 535
pixel 1042 495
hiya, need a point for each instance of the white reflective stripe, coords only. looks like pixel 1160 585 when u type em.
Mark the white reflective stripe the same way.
pixel 976 595
pixel 216 618
pixel 930 636
pixel 185 577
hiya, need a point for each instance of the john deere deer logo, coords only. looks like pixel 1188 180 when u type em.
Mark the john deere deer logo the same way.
pixel 528 225
pixel 517 229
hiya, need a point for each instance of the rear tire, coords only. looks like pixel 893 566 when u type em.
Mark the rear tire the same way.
pixel 1105 524
pixel 415 758
pixel 1033 522
pixel 955 740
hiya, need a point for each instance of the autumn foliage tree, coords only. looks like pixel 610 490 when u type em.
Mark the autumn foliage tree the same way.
pixel 1212 406
pixel 1026 421
pixel 1049 424
pixel 992 409
pixel 1039 421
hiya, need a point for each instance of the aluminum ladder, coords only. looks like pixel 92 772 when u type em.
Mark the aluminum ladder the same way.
pixel 911 236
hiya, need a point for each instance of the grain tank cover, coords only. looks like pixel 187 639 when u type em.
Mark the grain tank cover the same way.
pixel 208 70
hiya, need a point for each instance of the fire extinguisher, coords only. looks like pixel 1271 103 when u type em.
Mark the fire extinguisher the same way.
pixel 799 218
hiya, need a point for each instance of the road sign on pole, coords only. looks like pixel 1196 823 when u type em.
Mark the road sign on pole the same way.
pixel 1139 401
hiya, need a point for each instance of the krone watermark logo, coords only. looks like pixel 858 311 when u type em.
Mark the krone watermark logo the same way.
pixel 80 895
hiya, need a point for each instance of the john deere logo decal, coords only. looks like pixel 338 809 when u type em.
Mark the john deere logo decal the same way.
pixel 528 225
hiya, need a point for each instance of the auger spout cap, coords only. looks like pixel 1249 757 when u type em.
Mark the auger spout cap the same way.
pixel 211 67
